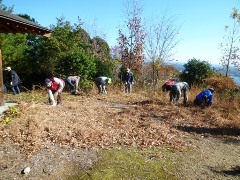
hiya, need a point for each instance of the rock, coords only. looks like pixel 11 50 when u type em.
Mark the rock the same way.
pixel 26 170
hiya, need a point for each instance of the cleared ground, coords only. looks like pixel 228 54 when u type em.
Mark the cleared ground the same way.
pixel 54 141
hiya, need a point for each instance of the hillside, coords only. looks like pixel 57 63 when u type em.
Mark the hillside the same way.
pixel 54 141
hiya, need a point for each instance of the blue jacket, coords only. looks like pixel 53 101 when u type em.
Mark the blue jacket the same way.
pixel 206 93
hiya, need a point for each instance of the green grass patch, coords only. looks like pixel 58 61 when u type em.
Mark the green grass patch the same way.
pixel 32 96
pixel 130 163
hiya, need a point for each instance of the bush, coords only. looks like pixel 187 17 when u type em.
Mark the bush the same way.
pixel 195 71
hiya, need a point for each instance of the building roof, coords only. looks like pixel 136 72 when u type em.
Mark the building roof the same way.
pixel 10 23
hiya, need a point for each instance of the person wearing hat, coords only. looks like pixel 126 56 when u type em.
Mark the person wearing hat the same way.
pixel 72 82
pixel 101 84
pixel 128 80
pixel 14 80
pixel 204 98
pixel 54 88
pixel 168 85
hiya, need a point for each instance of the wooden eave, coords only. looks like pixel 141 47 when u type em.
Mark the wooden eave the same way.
pixel 10 23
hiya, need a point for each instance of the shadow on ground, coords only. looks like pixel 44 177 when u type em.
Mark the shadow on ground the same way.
pixel 211 131
pixel 234 171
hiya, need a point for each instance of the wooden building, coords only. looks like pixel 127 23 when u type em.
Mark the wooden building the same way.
pixel 10 23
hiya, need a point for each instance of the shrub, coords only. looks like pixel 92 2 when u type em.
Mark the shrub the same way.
pixel 195 71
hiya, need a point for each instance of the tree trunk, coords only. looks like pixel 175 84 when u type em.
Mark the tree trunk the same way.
pixel 1 80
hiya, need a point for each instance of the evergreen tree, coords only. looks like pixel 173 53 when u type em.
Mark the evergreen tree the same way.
pixel 195 71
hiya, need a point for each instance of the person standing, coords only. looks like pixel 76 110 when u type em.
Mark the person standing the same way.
pixel 128 80
pixel 101 84
pixel 204 98
pixel 14 80
pixel 72 82
pixel 176 90
pixel 54 88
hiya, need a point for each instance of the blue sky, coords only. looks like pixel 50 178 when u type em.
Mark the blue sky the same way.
pixel 202 21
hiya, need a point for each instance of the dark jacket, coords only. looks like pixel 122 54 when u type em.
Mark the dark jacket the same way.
pixel 14 78
pixel 102 80
pixel 128 77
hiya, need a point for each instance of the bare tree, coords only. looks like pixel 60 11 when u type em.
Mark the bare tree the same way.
pixel 161 39
pixel 231 43
pixel 131 43
pixel 94 29
pixel 115 53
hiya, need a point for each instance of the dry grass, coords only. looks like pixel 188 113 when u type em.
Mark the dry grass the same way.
pixel 142 119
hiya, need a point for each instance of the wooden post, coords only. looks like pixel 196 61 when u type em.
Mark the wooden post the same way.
pixel 1 80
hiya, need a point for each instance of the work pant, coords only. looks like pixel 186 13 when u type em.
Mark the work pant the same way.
pixel 102 88
pixel 128 87
pixel 59 97
pixel 202 102
pixel 175 95
pixel 71 86
pixel 15 89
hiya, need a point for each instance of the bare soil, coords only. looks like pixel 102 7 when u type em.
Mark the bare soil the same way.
pixel 57 141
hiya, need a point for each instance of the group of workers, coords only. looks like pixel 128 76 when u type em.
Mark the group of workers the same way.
pixel 204 98
pixel 56 85
pixel 127 78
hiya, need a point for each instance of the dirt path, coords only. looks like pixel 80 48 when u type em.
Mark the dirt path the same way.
pixel 210 158
pixel 55 146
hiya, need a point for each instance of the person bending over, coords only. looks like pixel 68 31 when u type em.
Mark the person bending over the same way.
pixel 176 90
pixel 54 88
pixel 167 85
pixel 101 84
pixel 72 82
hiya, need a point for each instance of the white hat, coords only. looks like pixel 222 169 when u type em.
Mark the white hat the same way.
pixel 8 68
pixel 128 70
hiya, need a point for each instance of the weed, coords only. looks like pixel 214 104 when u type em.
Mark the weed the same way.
pixel 12 112
pixel 6 120
pixel 129 163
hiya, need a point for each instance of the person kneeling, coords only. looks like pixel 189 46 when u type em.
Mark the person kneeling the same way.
pixel 204 98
